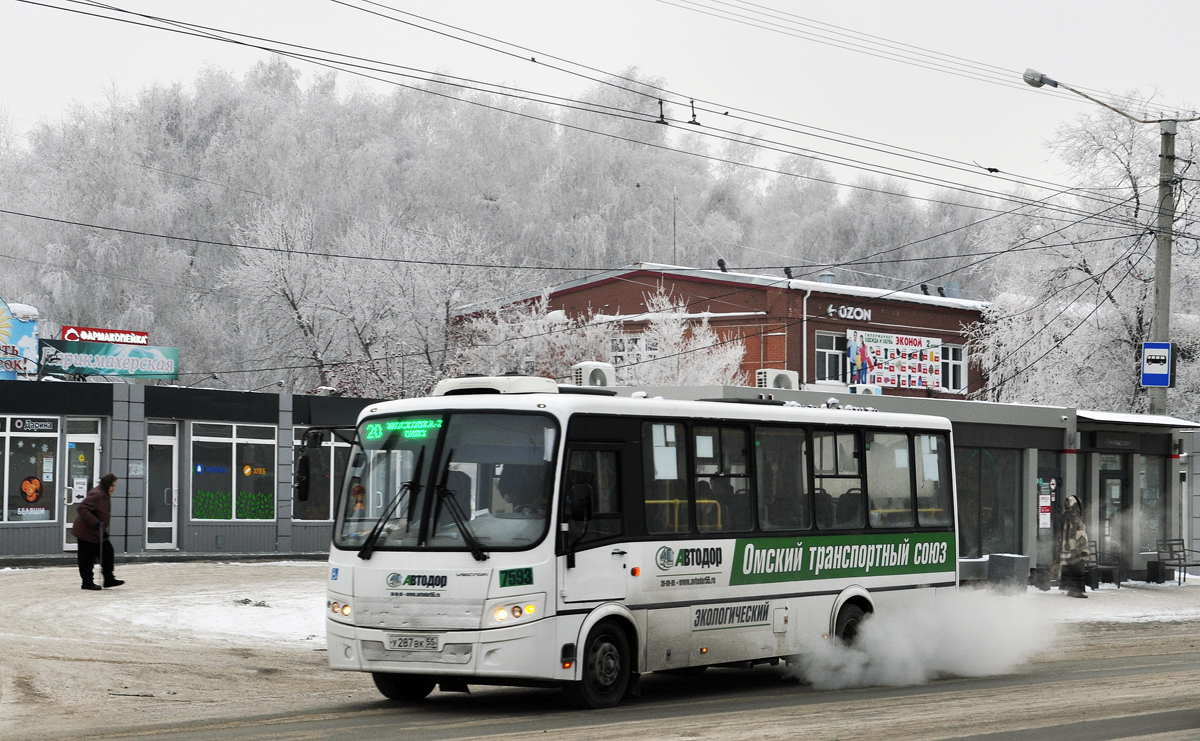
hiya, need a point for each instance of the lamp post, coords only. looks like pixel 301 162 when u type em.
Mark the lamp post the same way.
pixel 1160 325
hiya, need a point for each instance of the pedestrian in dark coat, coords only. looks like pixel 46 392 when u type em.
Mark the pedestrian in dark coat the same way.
pixel 91 530
pixel 1073 549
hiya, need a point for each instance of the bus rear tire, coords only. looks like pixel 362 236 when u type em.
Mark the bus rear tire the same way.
pixel 403 687
pixel 605 666
pixel 848 623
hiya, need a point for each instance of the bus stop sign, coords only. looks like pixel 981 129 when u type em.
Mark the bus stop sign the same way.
pixel 1158 365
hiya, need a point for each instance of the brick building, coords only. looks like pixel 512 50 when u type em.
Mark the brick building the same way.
pixel 915 343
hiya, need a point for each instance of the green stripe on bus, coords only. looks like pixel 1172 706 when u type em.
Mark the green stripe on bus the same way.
pixel 767 560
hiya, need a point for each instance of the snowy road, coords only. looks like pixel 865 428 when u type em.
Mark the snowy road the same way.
pixel 209 651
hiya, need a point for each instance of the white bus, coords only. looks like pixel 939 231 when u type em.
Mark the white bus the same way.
pixel 506 531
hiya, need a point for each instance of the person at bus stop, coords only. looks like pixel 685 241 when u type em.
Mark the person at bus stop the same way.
pixel 1073 549
pixel 91 530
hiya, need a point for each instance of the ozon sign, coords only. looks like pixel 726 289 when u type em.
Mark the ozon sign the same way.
pixel 113 336
pixel 849 312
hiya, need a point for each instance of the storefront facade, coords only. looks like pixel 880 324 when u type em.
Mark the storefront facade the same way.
pixel 202 471
pixel 211 472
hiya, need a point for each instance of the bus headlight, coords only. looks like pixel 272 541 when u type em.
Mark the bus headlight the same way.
pixel 514 610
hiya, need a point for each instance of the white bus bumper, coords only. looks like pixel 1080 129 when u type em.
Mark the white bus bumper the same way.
pixel 520 651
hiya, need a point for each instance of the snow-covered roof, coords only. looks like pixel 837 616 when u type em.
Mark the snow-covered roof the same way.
pixel 1125 418
pixel 647 316
pixel 767 281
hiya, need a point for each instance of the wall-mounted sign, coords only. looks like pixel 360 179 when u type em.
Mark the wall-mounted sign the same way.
pixel 114 336
pixel 35 424
pixel 18 342
pixel 103 359
pixel 849 312
pixel 894 360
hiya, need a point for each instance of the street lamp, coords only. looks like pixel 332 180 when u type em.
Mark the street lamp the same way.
pixel 1160 327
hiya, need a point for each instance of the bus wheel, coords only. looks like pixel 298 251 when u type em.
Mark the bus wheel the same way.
pixel 606 665
pixel 403 687
pixel 848 622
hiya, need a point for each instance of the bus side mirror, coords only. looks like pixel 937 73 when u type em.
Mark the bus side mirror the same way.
pixel 312 439
pixel 303 469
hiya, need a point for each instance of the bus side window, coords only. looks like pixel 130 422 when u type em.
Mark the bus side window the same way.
pixel 783 501
pixel 838 479
pixel 933 480
pixel 888 480
pixel 593 477
pixel 722 485
pixel 665 466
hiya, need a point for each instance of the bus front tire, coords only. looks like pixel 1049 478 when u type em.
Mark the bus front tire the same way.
pixel 848 623
pixel 403 687
pixel 605 667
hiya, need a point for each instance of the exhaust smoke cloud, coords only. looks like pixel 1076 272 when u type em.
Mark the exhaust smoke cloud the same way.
pixel 966 634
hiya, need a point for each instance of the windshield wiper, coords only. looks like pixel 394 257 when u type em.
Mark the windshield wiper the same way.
pixel 457 514
pixel 410 489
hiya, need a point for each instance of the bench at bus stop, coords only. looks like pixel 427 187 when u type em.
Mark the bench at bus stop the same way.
pixel 1173 553
pixel 1104 567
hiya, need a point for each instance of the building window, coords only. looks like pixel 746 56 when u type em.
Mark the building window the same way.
pixel 29 455
pixel 954 368
pixel 989 500
pixel 831 357
pixel 327 468
pixel 233 472
pixel 628 349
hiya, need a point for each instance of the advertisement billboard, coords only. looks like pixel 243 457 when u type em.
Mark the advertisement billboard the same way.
pixel 894 360
pixel 18 341
pixel 105 359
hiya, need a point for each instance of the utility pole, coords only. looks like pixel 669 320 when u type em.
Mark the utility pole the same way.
pixel 1160 328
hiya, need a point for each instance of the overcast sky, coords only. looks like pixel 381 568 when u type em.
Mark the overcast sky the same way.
pixel 52 58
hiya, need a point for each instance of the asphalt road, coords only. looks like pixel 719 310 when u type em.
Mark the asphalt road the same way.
pixel 1135 682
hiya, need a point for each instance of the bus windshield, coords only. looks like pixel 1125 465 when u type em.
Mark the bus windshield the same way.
pixel 489 488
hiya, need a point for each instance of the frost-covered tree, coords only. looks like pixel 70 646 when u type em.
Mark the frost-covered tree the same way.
pixel 687 350
pixel 1075 292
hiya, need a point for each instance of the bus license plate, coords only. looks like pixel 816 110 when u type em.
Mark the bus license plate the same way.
pixel 413 643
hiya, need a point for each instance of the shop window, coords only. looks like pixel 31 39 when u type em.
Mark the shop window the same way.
pixel 327 469
pixel 783 500
pixel 1151 483
pixel 954 368
pixel 989 499
pixel 665 491
pixel 831 357
pixel 838 478
pixel 723 501
pixel 29 454
pixel 888 481
pixel 233 472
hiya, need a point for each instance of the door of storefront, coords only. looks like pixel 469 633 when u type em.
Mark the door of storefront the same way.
pixel 1113 505
pixel 82 471
pixel 162 485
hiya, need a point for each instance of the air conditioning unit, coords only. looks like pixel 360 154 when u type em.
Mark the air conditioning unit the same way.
pixel 868 389
pixel 776 378
pixel 591 373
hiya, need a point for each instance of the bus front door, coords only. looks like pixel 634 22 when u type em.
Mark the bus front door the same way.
pixel 598 575
pixel 595 563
